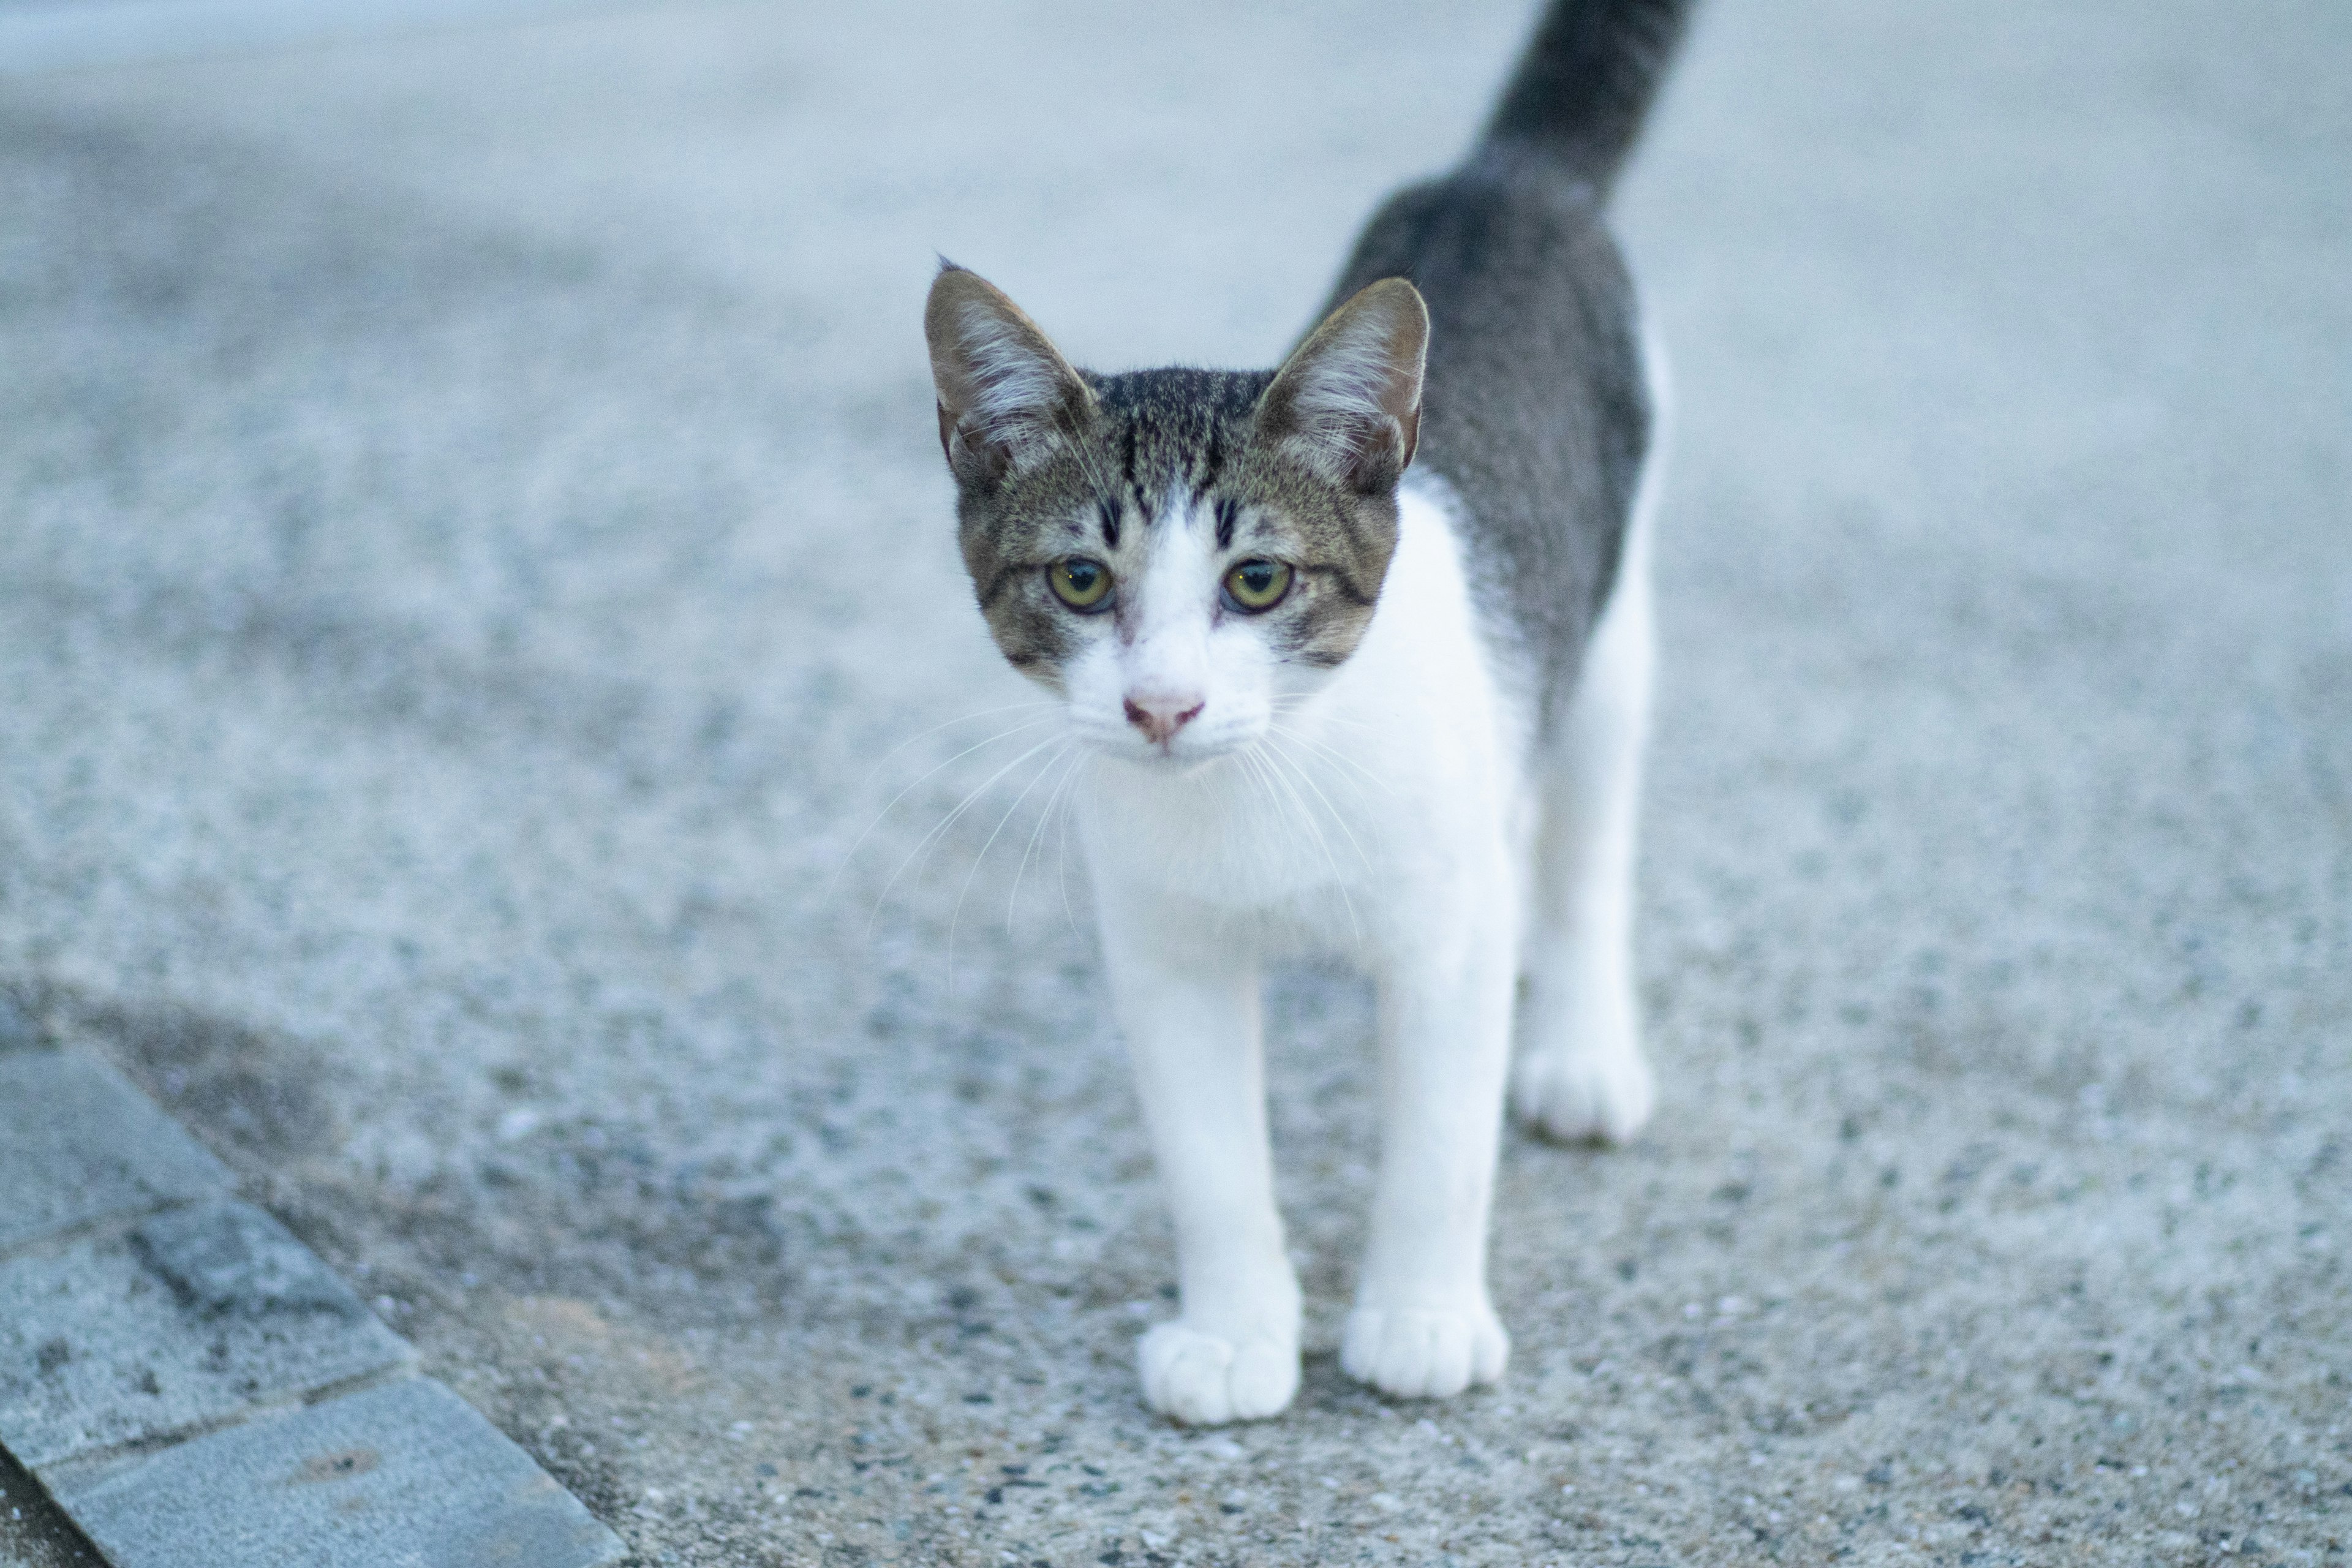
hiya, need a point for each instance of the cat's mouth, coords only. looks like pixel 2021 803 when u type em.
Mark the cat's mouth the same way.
pixel 1173 762
pixel 1175 757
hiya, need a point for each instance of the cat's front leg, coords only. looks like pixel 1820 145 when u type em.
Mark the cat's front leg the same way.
pixel 1187 999
pixel 1423 1325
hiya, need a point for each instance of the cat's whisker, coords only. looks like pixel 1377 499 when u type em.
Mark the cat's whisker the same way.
pixel 1046 816
pixel 956 916
pixel 1300 724
pixel 1338 878
pixel 883 761
pixel 1280 810
pixel 1334 754
pixel 929 840
pixel 1061 860
pixel 1301 703
pixel 1321 805
pixel 851 854
pixel 1091 469
pixel 1307 776
pixel 1067 427
pixel 1081 450
pixel 1288 809
pixel 1255 775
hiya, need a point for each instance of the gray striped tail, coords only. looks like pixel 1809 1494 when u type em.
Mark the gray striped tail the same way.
pixel 1586 83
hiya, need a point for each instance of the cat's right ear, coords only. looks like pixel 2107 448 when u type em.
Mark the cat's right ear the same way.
pixel 1005 390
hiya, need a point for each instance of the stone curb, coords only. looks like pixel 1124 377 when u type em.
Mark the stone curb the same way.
pixel 403 1473
pixel 78 1145
pixel 191 1385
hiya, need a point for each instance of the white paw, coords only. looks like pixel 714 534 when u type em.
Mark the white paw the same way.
pixel 1206 1380
pixel 1576 1096
pixel 1418 1355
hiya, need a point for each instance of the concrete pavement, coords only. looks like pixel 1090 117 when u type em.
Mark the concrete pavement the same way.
pixel 471 538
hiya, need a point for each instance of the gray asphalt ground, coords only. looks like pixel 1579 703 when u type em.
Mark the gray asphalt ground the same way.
pixel 474 559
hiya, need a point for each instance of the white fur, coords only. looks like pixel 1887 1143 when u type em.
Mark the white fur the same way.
pixel 1352 377
pixel 1400 811
pixel 1010 380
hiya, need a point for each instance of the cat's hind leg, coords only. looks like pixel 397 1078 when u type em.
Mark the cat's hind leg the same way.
pixel 1581 1072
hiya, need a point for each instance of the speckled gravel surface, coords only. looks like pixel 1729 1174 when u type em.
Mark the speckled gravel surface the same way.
pixel 474 561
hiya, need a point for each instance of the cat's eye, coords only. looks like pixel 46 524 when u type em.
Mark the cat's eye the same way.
pixel 1081 584
pixel 1255 585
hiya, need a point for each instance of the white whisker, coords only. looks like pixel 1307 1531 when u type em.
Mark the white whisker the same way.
pixel 1278 810
pixel 980 713
pixel 1052 798
pixel 1086 464
pixel 1338 878
pixel 956 916
pixel 1254 773
pixel 979 745
pixel 924 846
pixel 1307 776
pixel 1061 860
pixel 1333 752
pixel 1287 706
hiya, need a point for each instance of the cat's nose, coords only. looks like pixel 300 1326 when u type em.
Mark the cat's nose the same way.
pixel 1160 717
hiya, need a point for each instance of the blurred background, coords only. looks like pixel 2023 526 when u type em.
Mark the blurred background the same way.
pixel 478 617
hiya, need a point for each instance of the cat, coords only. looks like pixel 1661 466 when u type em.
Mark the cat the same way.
pixel 1363 646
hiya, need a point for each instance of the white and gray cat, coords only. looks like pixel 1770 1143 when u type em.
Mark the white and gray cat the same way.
pixel 1364 645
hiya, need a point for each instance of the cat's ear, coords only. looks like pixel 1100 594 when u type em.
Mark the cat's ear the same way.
pixel 1004 389
pixel 1348 398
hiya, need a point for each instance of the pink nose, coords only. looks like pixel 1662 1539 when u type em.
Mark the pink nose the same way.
pixel 1160 717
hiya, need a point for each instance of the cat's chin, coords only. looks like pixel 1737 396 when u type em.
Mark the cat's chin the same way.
pixel 1190 757
pixel 1159 764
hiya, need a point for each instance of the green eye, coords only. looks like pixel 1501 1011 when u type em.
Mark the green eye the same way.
pixel 1081 584
pixel 1257 585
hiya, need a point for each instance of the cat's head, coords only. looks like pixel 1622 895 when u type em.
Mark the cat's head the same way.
pixel 1176 552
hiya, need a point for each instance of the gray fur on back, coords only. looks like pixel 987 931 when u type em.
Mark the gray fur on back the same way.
pixel 1535 408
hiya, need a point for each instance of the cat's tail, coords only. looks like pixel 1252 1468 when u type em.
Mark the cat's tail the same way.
pixel 1585 85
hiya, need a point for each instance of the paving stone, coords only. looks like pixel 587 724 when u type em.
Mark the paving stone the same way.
pixel 194 1317
pixel 406 1475
pixel 233 1258
pixel 78 1143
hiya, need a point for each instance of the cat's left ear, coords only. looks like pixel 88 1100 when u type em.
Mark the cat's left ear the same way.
pixel 1348 399
pixel 1004 389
